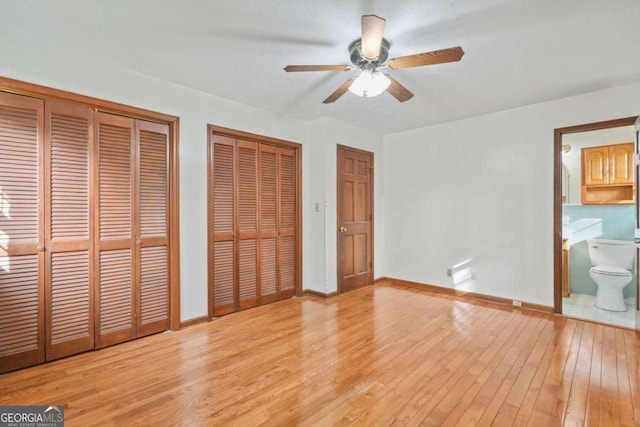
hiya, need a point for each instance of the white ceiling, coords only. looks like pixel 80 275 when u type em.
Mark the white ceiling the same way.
pixel 518 52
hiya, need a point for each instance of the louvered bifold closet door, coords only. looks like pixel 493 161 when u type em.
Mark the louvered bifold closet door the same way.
pixel 115 308
pixel 152 240
pixel 223 216
pixel 269 290
pixel 22 338
pixel 287 222
pixel 69 266
pixel 247 208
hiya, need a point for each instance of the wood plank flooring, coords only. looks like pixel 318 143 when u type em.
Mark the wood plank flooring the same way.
pixel 383 355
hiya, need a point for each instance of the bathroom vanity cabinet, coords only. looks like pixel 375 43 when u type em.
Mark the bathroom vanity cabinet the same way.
pixel 607 174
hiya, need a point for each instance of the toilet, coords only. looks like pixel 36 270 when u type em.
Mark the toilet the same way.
pixel 611 260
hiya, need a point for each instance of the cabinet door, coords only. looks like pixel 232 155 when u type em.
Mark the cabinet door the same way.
pixel 115 308
pixel 247 224
pixel 286 222
pixel 152 238
pixel 22 338
pixel 621 164
pixel 69 264
pixel 222 195
pixel 596 167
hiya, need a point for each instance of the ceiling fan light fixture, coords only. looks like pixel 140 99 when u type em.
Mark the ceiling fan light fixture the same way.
pixel 371 51
pixel 369 84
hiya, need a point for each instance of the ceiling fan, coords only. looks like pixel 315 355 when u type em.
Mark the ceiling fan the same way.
pixel 370 53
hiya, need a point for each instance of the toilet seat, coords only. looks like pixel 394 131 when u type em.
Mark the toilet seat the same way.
pixel 607 270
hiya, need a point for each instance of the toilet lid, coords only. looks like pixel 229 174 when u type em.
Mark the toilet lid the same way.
pixel 610 271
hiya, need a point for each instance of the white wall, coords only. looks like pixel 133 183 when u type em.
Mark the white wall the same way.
pixel 26 61
pixel 482 189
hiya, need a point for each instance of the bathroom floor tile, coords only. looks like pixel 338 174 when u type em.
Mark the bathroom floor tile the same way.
pixel 572 310
pixel 583 306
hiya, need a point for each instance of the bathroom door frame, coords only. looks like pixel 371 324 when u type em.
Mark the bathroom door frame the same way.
pixel 557 197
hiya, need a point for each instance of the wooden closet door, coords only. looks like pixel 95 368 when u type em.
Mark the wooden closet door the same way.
pixel 247 214
pixel 222 247
pixel 287 222
pixel 269 289
pixel 21 232
pixel 69 264
pixel 152 267
pixel 116 306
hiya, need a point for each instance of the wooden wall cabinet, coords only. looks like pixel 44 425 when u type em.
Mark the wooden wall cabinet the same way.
pixel 608 174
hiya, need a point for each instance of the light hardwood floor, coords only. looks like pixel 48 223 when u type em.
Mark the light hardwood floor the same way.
pixel 381 355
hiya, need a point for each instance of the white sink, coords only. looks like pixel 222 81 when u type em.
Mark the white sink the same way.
pixel 582 229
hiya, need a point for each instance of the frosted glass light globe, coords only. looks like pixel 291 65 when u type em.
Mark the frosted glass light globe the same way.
pixel 369 83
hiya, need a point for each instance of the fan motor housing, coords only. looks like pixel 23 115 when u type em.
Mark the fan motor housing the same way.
pixel 355 51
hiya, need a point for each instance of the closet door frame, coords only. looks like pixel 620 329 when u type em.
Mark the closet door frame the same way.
pixel 279 143
pixel 46 93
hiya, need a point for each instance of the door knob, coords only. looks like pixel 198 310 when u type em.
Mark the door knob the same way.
pixel 40 248
pixel 343 229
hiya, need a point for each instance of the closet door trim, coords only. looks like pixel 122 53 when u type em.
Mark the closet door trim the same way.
pixel 46 93
pixel 238 134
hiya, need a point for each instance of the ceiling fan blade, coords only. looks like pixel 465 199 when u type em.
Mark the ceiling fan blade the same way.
pixel 290 68
pixel 398 91
pixel 372 30
pixel 340 91
pixel 427 58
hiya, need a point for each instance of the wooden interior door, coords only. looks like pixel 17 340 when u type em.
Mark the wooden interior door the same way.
pixel 152 228
pixel 269 289
pixel 222 231
pixel 355 218
pixel 247 217
pixel 22 338
pixel 114 256
pixel 286 222
pixel 69 221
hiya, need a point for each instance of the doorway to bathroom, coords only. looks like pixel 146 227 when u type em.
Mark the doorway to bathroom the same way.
pixel 595 221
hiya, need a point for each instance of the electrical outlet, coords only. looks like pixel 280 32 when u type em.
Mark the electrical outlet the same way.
pixel 449 273
pixel 517 303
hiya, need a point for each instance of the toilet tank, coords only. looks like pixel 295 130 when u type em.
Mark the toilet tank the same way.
pixel 613 253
